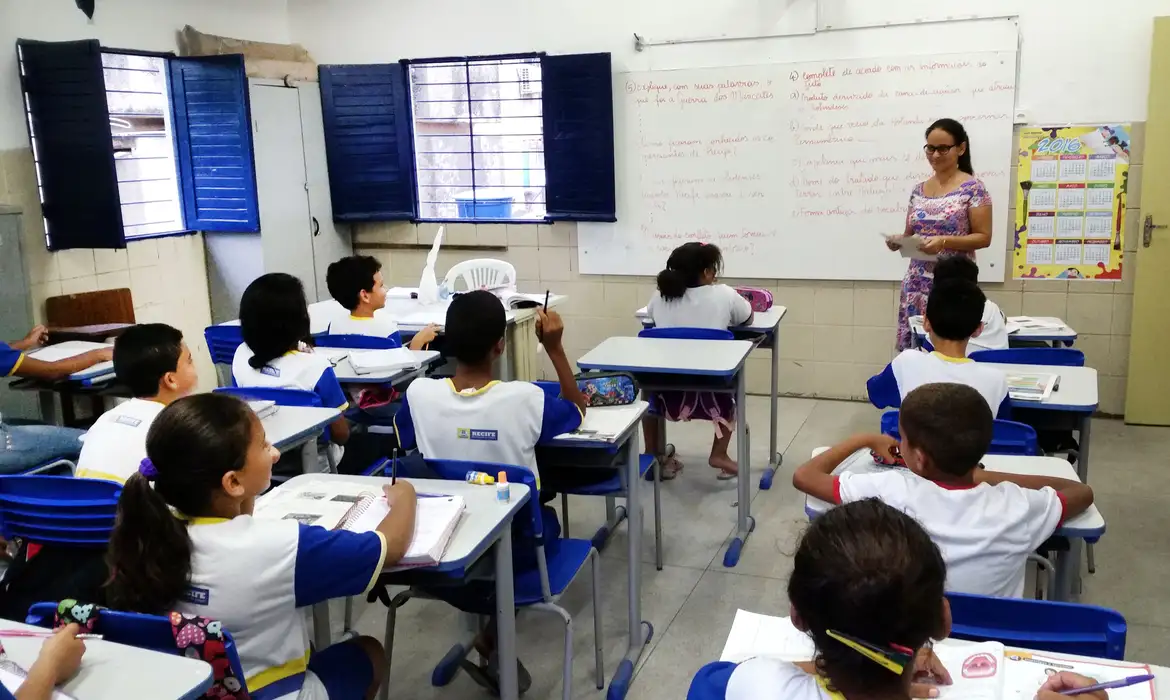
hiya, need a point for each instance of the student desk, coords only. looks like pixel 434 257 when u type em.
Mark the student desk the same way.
pixel 620 446
pixel 1058 337
pixel 763 330
pixel 518 362
pixel 1076 395
pixel 111 671
pixel 393 377
pixel 487 522
pixel 299 426
pixel 1088 526
pixel 667 364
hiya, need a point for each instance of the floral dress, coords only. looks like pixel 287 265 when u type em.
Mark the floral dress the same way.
pixel 946 215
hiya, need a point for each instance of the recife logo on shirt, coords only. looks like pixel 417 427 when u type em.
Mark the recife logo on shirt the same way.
pixel 197 596
pixel 476 434
pixel 270 371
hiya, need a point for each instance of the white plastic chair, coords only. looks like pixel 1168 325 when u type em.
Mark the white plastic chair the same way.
pixel 481 273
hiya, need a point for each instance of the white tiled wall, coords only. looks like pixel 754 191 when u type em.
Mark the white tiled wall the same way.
pixel 167 277
pixel 836 334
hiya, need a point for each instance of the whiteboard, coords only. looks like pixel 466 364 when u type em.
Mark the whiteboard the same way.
pixel 794 169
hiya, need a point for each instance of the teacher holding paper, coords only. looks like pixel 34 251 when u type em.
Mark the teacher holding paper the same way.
pixel 950 212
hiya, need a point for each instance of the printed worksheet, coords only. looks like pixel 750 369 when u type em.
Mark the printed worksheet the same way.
pixel 1025 672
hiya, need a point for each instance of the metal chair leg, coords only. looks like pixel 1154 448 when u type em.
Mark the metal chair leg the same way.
pixel 599 661
pixel 657 514
pixel 565 513
pixel 388 645
pixel 1091 558
pixel 348 615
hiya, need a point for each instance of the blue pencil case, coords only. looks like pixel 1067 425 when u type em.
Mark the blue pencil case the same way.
pixel 608 388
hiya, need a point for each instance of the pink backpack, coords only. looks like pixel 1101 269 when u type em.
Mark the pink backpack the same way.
pixel 760 299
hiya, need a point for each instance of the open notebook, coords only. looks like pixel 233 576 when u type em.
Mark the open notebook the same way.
pixel 352 507
pixel 983 671
pixel 12 676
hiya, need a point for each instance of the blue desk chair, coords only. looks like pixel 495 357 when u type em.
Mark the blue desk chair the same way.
pixel 1067 628
pixel 710 683
pixel 151 632
pixel 686 333
pixel 557 565
pixel 360 342
pixel 1056 357
pixel 1007 437
pixel 611 489
pixel 58 509
pixel 222 342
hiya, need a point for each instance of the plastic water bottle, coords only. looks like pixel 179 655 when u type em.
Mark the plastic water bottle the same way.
pixel 5 436
pixel 444 291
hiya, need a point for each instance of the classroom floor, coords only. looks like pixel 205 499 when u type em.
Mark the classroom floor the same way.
pixel 692 601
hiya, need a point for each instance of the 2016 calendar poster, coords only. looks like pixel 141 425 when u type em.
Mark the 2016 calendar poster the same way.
pixel 1070 205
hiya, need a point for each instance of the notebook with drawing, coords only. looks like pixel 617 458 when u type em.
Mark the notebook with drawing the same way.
pixel 1031 387
pixel 605 423
pixel 13 675
pixel 1027 670
pixel 356 508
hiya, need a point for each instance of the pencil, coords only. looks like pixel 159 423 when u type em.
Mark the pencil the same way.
pixel 1109 685
pixel 546 300
pixel 394 468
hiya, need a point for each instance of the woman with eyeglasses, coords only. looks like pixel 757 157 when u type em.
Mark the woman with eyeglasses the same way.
pixel 951 211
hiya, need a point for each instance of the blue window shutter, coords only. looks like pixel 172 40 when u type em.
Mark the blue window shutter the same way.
pixel 578 137
pixel 369 142
pixel 70 124
pixel 213 141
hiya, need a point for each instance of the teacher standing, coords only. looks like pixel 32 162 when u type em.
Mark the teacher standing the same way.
pixel 951 212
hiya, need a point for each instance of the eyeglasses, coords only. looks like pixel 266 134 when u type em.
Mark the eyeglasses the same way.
pixel 941 150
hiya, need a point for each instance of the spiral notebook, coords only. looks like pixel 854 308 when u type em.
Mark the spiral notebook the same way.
pixel 353 508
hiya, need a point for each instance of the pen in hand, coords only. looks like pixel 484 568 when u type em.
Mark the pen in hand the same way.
pixel 1109 685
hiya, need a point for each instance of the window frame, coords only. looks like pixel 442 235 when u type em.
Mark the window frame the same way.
pixel 418 203
pixel 167 56
pixel 42 85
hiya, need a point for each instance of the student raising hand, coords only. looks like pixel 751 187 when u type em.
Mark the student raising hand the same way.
pixel 59 659
pixel 1065 680
pixel 549 328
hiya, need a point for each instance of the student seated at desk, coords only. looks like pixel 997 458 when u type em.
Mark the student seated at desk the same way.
pixel 474 417
pixel 186 540
pixel 688 296
pixel 274 320
pixel 985 523
pixel 35 444
pixel 356 283
pixel 992 333
pixel 866 574
pixel 156 365
pixel 954 313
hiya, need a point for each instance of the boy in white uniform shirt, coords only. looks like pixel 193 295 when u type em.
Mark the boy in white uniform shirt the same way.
pixel 472 417
pixel 356 283
pixel 954 312
pixel 992 334
pixel 985 523
pixel 154 362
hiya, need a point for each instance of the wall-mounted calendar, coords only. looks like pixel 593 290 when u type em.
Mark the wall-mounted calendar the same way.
pixel 1070 206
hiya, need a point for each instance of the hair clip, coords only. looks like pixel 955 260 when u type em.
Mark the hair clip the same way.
pixel 889 659
pixel 147 469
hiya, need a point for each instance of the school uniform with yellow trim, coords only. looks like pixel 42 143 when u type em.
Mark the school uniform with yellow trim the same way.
pixel 116 444
pixel 293 370
pixel 376 326
pixel 10 360
pixel 764 678
pixel 500 422
pixel 985 532
pixel 257 576
pixel 913 368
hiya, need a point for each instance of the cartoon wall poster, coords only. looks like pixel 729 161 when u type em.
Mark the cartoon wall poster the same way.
pixel 1070 206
